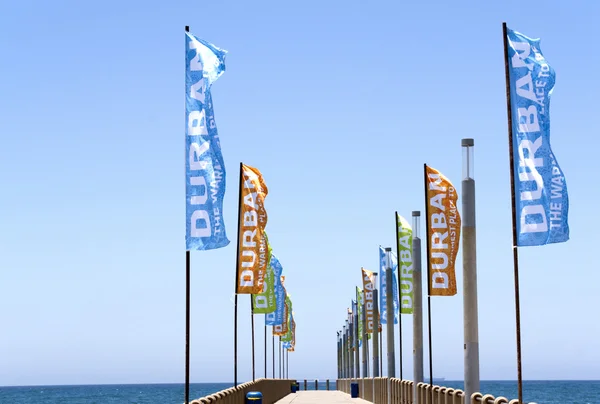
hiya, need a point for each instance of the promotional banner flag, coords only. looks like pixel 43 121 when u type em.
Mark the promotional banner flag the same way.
pixel 282 330
pixel 276 317
pixel 252 243
pixel 293 333
pixel 290 321
pixel 368 286
pixel 382 286
pixel 265 302
pixel 204 166
pixel 360 298
pixel 404 234
pixel 443 232
pixel 541 199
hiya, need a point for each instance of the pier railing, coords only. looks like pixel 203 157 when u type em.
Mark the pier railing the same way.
pixel 271 389
pixel 376 390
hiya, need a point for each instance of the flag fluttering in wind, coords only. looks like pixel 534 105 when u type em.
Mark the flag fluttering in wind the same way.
pixel 276 317
pixel 443 232
pixel 404 235
pixel 359 308
pixel 252 244
pixel 541 198
pixel 383 286
pixel 287 337
pixel 265 302
pixel 204 166
pixel 368 286
pixel 283 328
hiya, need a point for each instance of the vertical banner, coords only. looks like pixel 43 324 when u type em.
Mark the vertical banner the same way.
pixel 443 232
pixel 287 337
pixel 293 347
pixel 404 235
pixel 541 199
pixel 359 309
pixel 204 166
pixel 368 286
pixel 252 241
pixel 265 302
pixel 383 286
pixel 289 340
pixel 282 329
pixel 276 317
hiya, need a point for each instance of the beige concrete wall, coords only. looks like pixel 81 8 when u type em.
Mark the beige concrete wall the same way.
pixel 376 390
pixel 271 389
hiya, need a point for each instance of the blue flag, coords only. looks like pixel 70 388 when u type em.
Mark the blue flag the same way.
pixel 382 286
pixel 276 318
pixel 542 202
pixel 204 166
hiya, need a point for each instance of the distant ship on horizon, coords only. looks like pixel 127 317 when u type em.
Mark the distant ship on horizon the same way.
pixel 439 379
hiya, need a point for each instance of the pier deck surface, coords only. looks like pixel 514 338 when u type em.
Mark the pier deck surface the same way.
pixel 321 396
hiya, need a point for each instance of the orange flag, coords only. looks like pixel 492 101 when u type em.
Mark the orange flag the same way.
pixel 368 287
pixel 252 242
pixel 443 232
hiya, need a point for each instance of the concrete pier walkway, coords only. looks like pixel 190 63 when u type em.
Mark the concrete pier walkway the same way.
pixel 321 396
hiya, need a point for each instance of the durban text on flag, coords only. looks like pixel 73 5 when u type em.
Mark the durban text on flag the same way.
pixel 404 234
pixel 368 286
pixel 252 243
pixel 276 317
pixel 541 199
pixel 443 232
pixel 383 287
pixel 204 167
pixel 282 329
pixel 359 307
pixel 264 302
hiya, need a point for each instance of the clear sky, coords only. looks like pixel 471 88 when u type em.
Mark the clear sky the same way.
pixel 339 104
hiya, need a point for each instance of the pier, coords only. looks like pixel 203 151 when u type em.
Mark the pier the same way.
pixel 317 397
pixel 378 390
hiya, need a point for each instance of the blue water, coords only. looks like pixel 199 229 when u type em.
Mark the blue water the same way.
pixel 542 392
pixel 109 393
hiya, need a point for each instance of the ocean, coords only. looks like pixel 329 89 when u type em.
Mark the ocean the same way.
pixel 541 392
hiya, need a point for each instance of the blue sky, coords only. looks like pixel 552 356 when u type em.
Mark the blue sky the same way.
pixel 339 104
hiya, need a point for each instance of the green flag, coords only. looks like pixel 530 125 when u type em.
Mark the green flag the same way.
pixel 288 337
pixel 265 301
pixel 405 264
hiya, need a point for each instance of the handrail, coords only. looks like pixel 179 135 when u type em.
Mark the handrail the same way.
pixel 376 390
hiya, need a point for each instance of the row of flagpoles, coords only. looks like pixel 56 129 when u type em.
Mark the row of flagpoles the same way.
pixel 539 202
pixel 258 273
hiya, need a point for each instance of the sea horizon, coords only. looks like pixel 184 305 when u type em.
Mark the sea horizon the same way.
pixel 308 380
pixel 538 391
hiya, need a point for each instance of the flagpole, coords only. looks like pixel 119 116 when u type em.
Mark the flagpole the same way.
pixel 265 346
pixel 389 303
pixel 417 303
pixel 356 338
pixel 365 337
pixel 428 280
pixel 252 325
pixel 187 325
pixel 514 218
pixel 273 343
pixel 187 309
pixel 235 303
pixel 399 294
pixel 280 357
pixel 380 351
